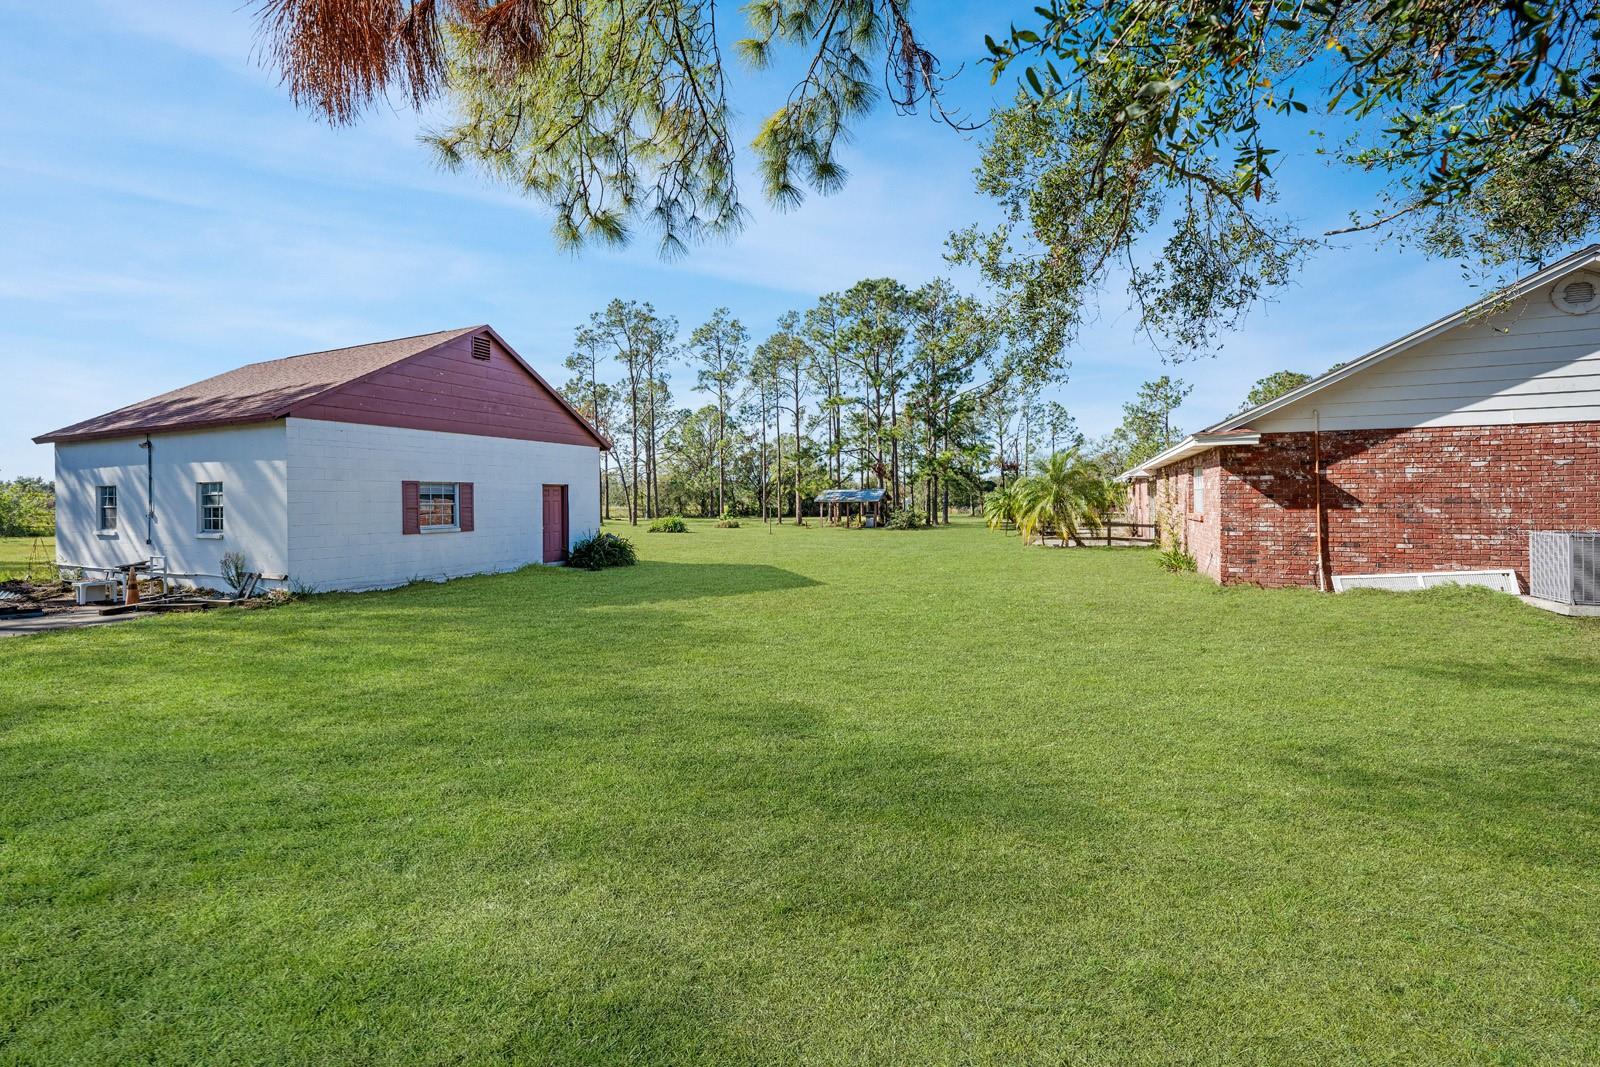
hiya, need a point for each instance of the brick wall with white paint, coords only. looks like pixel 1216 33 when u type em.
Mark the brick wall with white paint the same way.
pixel 1422 499
pixel 344 529
pixel 1180 510
pixel 1141 500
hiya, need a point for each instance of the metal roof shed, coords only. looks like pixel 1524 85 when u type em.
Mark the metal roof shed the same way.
pixel 859 497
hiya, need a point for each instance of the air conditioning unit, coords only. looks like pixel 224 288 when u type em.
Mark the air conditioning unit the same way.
pixel 1564 567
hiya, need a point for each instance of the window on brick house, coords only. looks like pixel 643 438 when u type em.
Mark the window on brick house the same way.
pixel 1199 491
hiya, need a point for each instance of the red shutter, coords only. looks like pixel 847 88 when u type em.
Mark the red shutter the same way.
pixel 410 521
pixel 464 502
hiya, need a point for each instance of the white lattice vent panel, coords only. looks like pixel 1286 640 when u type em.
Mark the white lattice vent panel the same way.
pixel 1503 581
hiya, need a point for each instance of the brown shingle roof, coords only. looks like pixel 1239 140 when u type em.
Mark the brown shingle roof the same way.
pixel 255 392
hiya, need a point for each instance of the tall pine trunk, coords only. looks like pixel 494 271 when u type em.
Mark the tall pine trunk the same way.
pixel 633 429
pixel 778 481
pixel 894 449
pixel 651 500
pixel 799 520
pixel 722 454
pixel 761 472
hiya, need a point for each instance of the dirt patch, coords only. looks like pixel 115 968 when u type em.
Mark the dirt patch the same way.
pixel 28 598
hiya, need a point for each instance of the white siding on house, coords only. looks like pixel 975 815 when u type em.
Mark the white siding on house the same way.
pixel 345 514
pixel 249 461
pixel 1528 363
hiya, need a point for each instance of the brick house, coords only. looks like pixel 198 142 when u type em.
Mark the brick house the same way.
pixel 1437 452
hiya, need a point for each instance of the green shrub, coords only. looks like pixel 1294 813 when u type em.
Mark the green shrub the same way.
pixel 602 550
pixel 669 524
pixel 904 519
pixel 728 524
pixel 1176 559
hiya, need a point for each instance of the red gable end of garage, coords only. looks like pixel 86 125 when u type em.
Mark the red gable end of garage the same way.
pixel 456 381
pixel 448 388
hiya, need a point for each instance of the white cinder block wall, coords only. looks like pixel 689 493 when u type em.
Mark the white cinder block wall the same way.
pixel 344 528
pixel 250 463
pixel 318 501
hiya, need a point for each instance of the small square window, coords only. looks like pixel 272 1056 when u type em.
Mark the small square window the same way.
pixel 210 496
pixel 436 505
pixel 106 496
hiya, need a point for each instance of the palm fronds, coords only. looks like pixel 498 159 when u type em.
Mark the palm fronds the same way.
pixel 1065 494
pixel 1000 507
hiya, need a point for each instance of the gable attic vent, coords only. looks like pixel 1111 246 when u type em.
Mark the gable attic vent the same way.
pixel 1578 295
pixel 480 347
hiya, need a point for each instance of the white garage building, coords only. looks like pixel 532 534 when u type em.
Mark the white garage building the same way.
pixel 356 468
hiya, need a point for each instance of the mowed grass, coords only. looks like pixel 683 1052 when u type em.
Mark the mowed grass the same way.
pixel 813 796
pixel 25 557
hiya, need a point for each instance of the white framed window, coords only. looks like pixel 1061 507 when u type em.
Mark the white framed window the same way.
pixel 1198 488
pixel 209 498
pixel 106 500
pixel 437 506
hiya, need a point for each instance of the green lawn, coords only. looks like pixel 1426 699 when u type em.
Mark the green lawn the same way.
pixel 811 796
pixel 21 557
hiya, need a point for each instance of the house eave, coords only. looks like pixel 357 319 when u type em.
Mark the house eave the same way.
pixel 1584 257
pixel 61 437
pixel 1192 445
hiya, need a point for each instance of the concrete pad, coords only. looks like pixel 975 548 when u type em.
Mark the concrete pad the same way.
pixel 65 620
pixel 1578 610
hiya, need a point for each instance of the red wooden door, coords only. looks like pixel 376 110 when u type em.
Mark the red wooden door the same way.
pixel 555 523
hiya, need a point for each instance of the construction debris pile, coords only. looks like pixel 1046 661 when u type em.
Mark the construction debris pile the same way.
pixel 24 599
pixel 141 588
pixel 132 590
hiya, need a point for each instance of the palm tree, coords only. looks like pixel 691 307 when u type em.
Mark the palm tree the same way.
pixel 1000 507
pixel 1108 498
pixel 1066 494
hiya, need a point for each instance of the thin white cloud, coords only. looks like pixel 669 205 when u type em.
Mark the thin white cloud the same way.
pixel 217 31
pixel 874 227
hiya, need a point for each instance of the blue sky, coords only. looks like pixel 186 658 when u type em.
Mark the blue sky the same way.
pixel 168 215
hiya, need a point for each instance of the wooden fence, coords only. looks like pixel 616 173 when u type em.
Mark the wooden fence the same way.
pixel 1137 533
